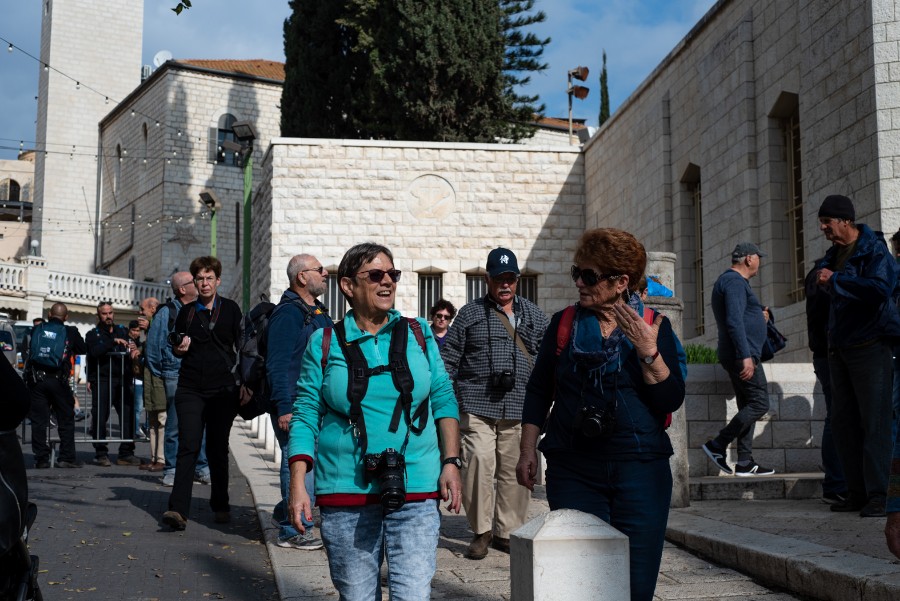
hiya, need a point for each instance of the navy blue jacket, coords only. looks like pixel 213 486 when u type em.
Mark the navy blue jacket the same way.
pixel 288 333
pixel 739 318
pixel 862 293
pixel 640 412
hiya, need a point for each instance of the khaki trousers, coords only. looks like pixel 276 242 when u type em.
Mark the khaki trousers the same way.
pixel 490 450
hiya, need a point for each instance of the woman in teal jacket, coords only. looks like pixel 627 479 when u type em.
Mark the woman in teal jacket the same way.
pixel 381 466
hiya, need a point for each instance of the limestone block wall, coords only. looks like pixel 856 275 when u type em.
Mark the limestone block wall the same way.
pixel 440 208
pixel 101 49
pixel 788 438
pixel 162 194
pixel 710 118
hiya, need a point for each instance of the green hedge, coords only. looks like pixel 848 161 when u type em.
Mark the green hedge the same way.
pixel 699 354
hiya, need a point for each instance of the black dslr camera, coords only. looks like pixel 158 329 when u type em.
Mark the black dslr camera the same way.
pixel 175 338
pixel 389 468
pixel 504 381
pixel 594 422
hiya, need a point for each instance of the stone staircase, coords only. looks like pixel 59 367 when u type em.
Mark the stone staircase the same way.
pixel 777 486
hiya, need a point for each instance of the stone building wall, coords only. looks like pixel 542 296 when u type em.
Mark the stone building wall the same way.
pixel 712 114
pixel 15 235
pixel 439 207
pixel 87 40
pixel 171 226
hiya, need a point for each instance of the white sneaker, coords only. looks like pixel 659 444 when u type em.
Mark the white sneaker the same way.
pixel 168 479
pixel 202 479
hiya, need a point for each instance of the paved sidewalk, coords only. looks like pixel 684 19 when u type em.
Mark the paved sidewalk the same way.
pixel 303 575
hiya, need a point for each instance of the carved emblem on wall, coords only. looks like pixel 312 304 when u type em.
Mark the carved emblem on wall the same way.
pixel 184 237
pixel 431 197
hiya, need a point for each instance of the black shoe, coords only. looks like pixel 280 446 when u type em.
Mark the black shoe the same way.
pixel 847 505
pixel 834 497
pixel 717 457
pixel 102 461
pixel 42 465
pixel 752 469
pixel 69 464
pixel 873 509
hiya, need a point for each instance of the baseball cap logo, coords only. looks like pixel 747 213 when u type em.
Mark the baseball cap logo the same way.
pixel 504 259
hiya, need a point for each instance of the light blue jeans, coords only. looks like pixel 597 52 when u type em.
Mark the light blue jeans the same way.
pixel 358 539
pixel 280 513
pixel 170 447
pixel 138 405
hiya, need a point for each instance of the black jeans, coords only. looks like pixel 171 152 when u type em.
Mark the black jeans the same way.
pixel 106 393
pixel 52 393
pixel 214 410
pixel 861 381
pixel 753 402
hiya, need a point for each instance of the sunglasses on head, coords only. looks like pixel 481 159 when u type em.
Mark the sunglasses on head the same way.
pixel 591 277
pixel 376 275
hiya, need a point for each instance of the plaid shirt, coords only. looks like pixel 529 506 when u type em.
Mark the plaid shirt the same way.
pixel 478 344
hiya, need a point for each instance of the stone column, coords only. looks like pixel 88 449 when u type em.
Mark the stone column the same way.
pixel 662 265
pixel 568 554
pixel 37 284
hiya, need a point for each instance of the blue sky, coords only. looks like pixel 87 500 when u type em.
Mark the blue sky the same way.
pixel 636 34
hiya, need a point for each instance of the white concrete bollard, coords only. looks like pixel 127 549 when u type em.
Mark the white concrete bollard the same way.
pixel 254 425
pixel 276 456
pixel 270 436
pixel 262 429
pixel 571 555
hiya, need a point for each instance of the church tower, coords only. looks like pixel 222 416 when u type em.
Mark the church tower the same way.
pixel 90 59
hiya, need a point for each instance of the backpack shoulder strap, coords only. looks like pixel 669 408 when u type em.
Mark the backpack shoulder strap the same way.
pixel 357 383
pixel 564 329
pixel 416 328
pixel 326 347
pixel 403 380
pixel 173 313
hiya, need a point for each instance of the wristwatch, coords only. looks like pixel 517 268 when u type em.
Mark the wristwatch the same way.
pixel 650 358
pixel 454 461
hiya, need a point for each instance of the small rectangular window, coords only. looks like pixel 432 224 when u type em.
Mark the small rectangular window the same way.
pixel 527 288
pixel 431 290
pixel 476 287
pixel 334 300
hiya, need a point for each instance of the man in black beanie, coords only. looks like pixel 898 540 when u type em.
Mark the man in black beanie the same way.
pixel 859 275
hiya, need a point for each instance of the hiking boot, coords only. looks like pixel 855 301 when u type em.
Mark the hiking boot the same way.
pixel 43 464
pixel 873 509
pixel 222 517
pixel 752 469
pixel 69 464
pixel 501 544
pixel 174 520
pixel 131 460
pixel 478 548
pixel 102 461
pixel 305 542
pixel 716 456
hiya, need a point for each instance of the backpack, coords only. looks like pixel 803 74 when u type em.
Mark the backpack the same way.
pixel 564 332
pixel 359 372
pixel 48 346
pixel 250 366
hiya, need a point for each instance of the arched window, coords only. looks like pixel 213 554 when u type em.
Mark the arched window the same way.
pixel 10 190
pixel 219 134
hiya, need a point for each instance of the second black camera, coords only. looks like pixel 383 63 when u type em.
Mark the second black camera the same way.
pixel 175 338
pixel 505 380
pixel 594 422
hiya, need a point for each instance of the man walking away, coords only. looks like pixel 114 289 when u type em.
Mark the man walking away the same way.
pixel 47 374
pixel 741 322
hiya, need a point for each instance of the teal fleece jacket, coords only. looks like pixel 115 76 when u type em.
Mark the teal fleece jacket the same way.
pixel 321 408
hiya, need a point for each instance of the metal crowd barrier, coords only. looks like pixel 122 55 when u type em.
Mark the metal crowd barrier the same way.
pixel 116 431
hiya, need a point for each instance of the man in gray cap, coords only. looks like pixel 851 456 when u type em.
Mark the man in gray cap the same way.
pixel 859 275
pixel 741 322
pixel 489 352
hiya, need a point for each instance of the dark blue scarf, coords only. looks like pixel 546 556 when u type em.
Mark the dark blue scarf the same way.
pixel 596 354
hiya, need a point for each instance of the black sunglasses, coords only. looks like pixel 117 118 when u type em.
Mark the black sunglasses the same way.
pixel 591 277
pixel 376 275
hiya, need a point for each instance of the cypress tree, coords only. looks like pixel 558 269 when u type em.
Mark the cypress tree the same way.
pixel 604 94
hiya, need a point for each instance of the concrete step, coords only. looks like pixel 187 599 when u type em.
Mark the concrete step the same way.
pixel 777 486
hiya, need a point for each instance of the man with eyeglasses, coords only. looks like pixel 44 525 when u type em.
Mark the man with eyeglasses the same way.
pixel 859 275
pixel 489 353
pixel 297 315
pixel 741 323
